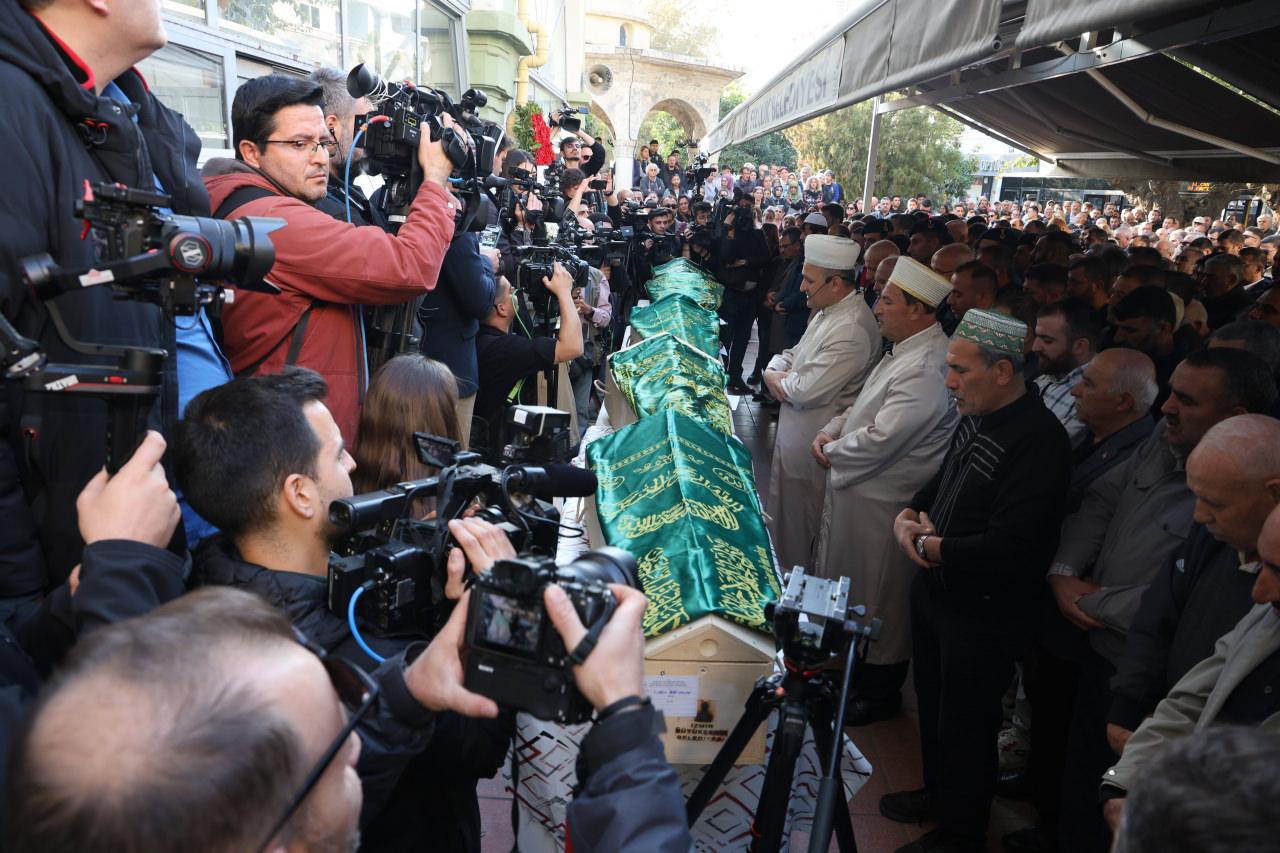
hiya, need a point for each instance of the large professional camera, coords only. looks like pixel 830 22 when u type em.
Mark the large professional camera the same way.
pixel 567 117
pixel 695 177
pixel 393 133
pixel 392 563
pixel 514 655
pixel 148 254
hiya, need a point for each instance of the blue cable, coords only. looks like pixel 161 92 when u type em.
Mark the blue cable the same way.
pixel 346 174
pixel 355 632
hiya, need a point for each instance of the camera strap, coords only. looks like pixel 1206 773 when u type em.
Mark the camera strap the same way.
pixel 589 640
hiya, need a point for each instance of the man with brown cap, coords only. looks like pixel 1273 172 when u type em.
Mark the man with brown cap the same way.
pixel 878 452
pixel 813 381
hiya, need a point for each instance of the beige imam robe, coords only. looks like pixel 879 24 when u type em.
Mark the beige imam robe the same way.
pixel 828 366
pixel 887 446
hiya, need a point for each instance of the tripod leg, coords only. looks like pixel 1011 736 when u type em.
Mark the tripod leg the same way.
pixel 756 712
pixel 830 808
pixel 788 739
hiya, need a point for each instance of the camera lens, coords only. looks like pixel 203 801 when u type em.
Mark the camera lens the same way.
pixel 607 564
pixel 362 81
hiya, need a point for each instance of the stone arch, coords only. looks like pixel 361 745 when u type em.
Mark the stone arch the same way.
pixel 599 112
pixel 689 116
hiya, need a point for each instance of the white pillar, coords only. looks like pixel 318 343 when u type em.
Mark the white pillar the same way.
pixel 873 153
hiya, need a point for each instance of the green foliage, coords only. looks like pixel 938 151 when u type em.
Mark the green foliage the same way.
pixel 919 151
pixel 663 127
pixel 680 27
pixel 772 148
pixel 261 14
pixel 522 131
pixel 1022 163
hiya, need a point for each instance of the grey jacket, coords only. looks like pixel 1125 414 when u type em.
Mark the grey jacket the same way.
pixel 1131 520
pixel 1196 700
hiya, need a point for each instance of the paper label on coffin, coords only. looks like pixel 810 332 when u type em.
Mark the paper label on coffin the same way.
pixel 681 497
pixel 666 373
pixel 682 317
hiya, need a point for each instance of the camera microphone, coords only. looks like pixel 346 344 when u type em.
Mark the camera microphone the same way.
pixel 556 480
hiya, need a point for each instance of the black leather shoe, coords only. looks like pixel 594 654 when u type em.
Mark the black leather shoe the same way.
pixel 1014 785
pixel 1029 839
pixel 908 806
pixel 941 841
pixel 737 386
pixel 864 710
pixel 754 378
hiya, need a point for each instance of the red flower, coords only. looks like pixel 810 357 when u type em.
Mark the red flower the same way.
pixel 545 154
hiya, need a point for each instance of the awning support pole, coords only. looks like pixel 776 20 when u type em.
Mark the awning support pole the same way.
pixel 873 153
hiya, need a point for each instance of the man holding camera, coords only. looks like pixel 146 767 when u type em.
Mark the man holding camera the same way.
pixel 579 150
pixel 205 752
pixel 449 315
pixel 506 358
pixel 263 459
pixel 325 268
pixel 78 113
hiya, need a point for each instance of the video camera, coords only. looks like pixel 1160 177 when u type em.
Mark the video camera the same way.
pixel 391 567
pixel 537 435
pixel 514 655
pixel 567 117
pixel 392 136
pixel 146 254
pixel 695 177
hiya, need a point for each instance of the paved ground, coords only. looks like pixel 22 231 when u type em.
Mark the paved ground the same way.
pixel 892 747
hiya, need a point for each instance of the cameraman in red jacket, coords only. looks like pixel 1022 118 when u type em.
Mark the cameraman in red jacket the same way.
pixel 325 268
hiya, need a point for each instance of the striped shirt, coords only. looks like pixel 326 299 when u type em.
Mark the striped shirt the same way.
pixel 1056 394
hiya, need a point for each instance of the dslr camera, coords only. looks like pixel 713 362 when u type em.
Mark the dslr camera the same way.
pixel 514 655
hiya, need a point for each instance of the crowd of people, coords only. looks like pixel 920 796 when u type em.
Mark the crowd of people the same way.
pixel 1039 439
pixel 1046 456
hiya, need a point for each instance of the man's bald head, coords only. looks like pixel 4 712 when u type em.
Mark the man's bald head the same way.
pixel 950 256
pixel 157 735
pixel 883 271
pixel 878 251
pixel 1235 475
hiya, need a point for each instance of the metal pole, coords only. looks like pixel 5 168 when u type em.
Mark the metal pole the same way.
pixel 873 151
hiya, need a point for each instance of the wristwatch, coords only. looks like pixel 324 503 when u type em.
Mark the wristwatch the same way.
pixel 920 545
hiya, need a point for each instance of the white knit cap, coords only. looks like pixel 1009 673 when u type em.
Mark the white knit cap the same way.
pixel 915 278
pixel 832 253
pixel 816 218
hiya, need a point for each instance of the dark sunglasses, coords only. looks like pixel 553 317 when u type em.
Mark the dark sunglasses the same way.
pixel 357 692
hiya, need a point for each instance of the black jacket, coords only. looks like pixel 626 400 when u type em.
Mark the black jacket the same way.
pixel 1199 595
pixel 418 769
pixel 451 313
pixel 57 134
pixel 119 579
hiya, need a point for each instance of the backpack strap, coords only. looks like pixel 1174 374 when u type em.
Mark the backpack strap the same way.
pixel 237 198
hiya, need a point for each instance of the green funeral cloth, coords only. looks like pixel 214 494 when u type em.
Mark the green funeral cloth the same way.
pixel 681 497
pixel 687 278
pixel 666 373
pixel 682 317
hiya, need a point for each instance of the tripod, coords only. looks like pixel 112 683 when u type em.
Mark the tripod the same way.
pixel 804 699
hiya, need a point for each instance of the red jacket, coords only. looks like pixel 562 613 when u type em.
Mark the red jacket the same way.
pixel 337 266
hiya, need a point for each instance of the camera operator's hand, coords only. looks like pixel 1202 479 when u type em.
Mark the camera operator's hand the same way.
pixel 435 678
pixel 615 667
pixel 481 543
pixel 560 282
pixel 135 504
pixel 435 163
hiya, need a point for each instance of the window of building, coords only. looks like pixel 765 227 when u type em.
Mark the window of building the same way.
pixel 622 36
pixel 185 8
pixel 306 32
pixel 192 83
pixel 380 34
pixel 438 50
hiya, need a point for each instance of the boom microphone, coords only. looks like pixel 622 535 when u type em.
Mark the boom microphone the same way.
pixel 556 480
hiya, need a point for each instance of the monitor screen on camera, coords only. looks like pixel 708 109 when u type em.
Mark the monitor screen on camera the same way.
pixel 509 624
